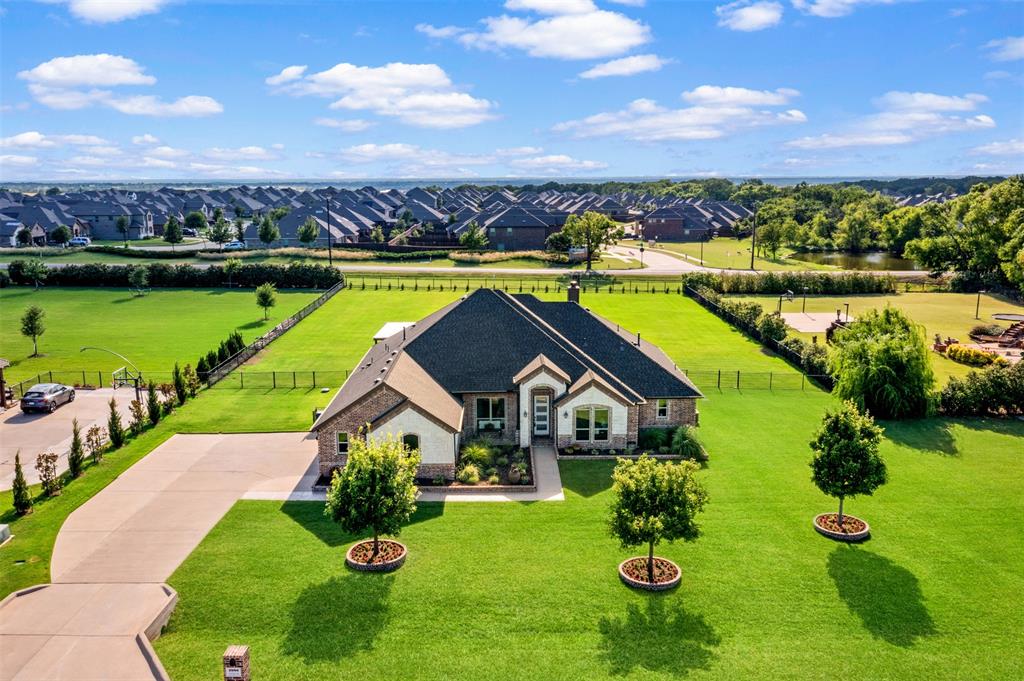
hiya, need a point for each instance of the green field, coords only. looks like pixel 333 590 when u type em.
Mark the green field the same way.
pixel 729 253
pixel 153 331
pixel 947 314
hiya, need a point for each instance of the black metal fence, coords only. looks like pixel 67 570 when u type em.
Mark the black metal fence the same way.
pixel 390 282
pixel 283 380
pixel 217 373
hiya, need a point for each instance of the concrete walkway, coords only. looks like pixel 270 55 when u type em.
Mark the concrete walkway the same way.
pixel 108 599
pixel 549 487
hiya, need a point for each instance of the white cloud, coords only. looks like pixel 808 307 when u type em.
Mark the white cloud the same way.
pixel 233 172
pixel 831 9
pixel 107 11
pixel 250 153
pixel 150 105
pixel 88 70
pixel 345 124
pixel 37 140
pixel 168 152
pixel 439 32
pixel 997 75
pixel 104 151
pixel 151 162
pixel 552 6
pixel 906 117
pixel 626 66
pixel 718 112
pixel 518 151
pixel 17 160
pixel 630 3
pixel 714 95
pixel 926 101
pixel 287 75
pixel 590 35
pixel 746 15
pixel 1014 147
pixel 145 139
pixel 416 94
pixel 56 84
pixel 1006 49
pixel 556 163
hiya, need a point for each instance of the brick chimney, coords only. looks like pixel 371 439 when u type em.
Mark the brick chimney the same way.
pixel 574 290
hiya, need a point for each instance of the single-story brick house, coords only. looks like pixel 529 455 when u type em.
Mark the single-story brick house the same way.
pixel 508 367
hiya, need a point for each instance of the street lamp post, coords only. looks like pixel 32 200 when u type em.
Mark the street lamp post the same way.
pixel 977 305
pixel 804 307
pixel 641 255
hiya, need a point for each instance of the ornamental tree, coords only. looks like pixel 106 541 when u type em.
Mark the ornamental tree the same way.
pixel 172 232
pixel 474 238
pixel 22 497
pixel 61 235
pixel 266 297
pixel 32 326
pixel 846 461
pixel 268 231
pixel 308 232
pixel 376 490
pixel 76 455
pixel 220 233
pixel 124 228
pixel 197 221
pixel 881 363
pixel 655 501
pixel 592 231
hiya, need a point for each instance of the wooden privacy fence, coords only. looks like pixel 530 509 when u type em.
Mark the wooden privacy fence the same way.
pixel 217 373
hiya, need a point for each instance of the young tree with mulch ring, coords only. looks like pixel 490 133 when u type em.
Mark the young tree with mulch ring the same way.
pixel 46 466
pixel 846 461
pixel 115 429
pixel 94 443
pixel 76 455
pixel 376 490
pixel 22 498
pixel 655 501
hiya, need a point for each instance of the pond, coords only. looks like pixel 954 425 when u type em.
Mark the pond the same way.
pixel 878 260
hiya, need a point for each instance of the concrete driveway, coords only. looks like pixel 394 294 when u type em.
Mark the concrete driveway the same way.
pixel 108 599
pixel 33 434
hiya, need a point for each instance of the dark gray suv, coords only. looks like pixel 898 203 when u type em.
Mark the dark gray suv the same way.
pixel 46 397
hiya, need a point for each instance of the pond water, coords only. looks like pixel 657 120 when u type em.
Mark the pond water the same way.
pixel 858 261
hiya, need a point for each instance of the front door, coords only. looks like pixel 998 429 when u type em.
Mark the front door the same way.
pixel 541 413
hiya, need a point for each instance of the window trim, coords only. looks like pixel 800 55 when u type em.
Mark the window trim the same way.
pixel 500 421
pixel 661 405
pixel 342 438
pixel 576 424
pixel 591 429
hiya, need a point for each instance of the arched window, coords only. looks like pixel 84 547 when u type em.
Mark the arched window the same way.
pixel 411 441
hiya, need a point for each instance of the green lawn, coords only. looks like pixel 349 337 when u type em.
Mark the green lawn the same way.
pixel 530 590
pixel 948 314
pixel 153 331
pixel 730 253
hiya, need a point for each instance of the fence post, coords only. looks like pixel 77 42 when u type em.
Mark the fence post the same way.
pixel 719 378
pixel 99 379
pixel 273 376
pixel 83 376
pixel 314 379
pixel 241 379
pixel 770 374
pixel 737 379
pixel 293 379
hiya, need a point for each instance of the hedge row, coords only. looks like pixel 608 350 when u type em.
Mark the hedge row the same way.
pixel 775 283
pixel 160 254
pixel 998 390
pixel 248 275
pixel 973 356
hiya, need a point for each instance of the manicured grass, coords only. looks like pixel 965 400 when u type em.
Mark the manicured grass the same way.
pixel 729 253
pixel 948 314
pixel 530 590
pixel 153 331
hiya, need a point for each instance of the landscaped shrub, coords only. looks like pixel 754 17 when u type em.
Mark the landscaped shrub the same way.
pixel 115 429
pixel 502 256
pixel 22 497
pixel 772 327
pixel 973 356
pixel 817 283
pixel 746 312
pixel 685 444
pixel 987 330
pixel 814 359
pixel 653 439
pixel 5 279
pixel 76 455
pixel 469 474
pixel 479 453
pixel 999 389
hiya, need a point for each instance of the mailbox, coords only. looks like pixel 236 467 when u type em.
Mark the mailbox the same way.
pixel 236 663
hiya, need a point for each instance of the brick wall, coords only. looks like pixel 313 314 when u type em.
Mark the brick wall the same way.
pixel 681 411
pixel 511 433
pixel 350 421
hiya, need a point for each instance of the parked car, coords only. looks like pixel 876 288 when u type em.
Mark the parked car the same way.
pixel 80 241
pixel 46 397
pixel 188 231
pixel 234 246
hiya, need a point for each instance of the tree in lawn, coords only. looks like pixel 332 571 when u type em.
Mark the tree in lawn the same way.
pixel 76 455
pixel 655 501
pixel 33 326
pixel 124 228
pixel 377 235
pixel 474 238
pixel 308 232
pixel 197 221
pixel 239 229
pixel 172 232
pixel 61 235
pixel 153 404
pixel 266 297
pixel 220 233
pixel 231 267
pixel 376 490
pixel 115 429
pixel 268 231
pixel 23 237
pixel 138 279
pixel 218 213
pixel 846 461
pixel 35 271
pixel 591 231
pixel 881 363
pixel 180 387
pixel 22 498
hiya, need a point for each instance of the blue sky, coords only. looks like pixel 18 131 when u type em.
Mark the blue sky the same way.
pixel 140 89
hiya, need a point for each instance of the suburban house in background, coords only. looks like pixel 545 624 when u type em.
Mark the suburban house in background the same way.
pixel 693 220
pixel 508 367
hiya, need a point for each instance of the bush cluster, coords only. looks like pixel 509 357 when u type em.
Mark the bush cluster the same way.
pixel 973 356
pixel 678 441
pixel 293 275
pixel 997 390
pixel 817 283
pixel 502 256
pixel 228 348
pixel 158 254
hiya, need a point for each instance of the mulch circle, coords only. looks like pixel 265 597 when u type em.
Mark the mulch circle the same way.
pixel 633 572
pixel 391 556
pixel 852 529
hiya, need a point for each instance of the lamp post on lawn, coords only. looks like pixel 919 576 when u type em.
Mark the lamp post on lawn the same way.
pixel 977 305
pixel 641 255
pixel 847 311
pixel 138 374
pixel 804 307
